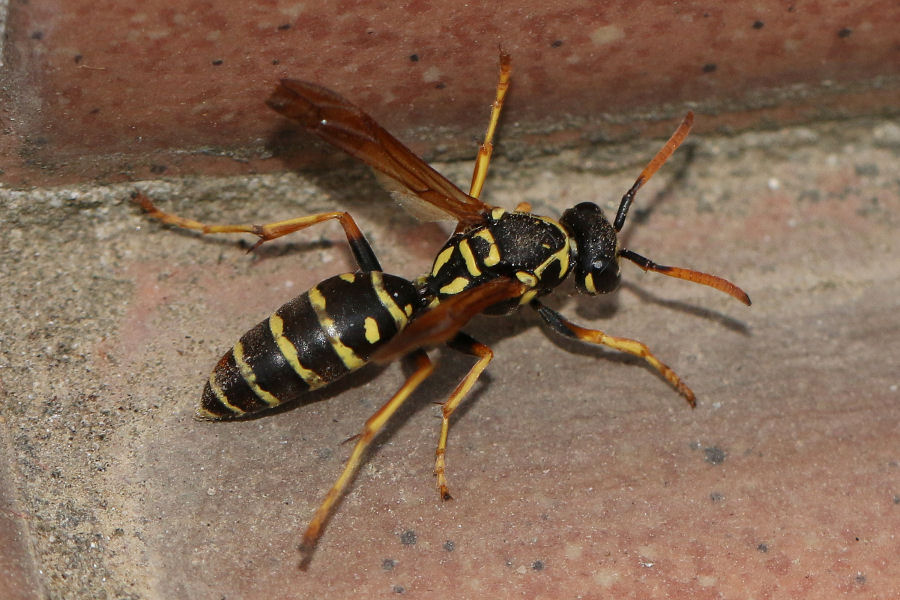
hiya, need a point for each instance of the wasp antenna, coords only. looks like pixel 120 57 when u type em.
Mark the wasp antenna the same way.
pixel 652 167
pixel 713 281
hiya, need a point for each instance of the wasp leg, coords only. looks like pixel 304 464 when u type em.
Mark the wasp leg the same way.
pixel 487 148
pixel 565 327
pixel 362 251
pixel 423 368
pixel 465 344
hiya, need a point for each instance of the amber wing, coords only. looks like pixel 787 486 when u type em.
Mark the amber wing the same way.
pixel 441 322
pixel 341 123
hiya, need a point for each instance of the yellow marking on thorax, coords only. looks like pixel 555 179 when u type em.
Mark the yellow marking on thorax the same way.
pixel 348 277
pixel 493 256
pixel 387 301
pixel 344 352
pixel 221 397
pixel 442 259
pixel 372 333
pixel 527 297
pixel 408 310
pixel 289 351
pixel 497 213
pixel 250 377
pixel 455 286
pixel 471 264
pixel 526 278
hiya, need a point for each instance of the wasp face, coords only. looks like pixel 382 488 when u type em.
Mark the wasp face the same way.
pixel 595 251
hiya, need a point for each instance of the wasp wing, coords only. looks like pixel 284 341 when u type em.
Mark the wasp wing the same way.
pixel 341 123
pixel 440 323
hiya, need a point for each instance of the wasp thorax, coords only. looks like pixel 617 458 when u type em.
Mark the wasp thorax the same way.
pixel 595 252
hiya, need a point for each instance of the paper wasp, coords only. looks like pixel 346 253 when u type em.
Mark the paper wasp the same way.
pixel 495 262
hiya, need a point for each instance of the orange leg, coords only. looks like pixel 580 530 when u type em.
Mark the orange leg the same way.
pixel 467 345
pixel 565 327
pixel 363 252
pixel 373 426
pixel 487 148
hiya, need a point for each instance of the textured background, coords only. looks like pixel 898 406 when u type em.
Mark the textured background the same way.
pixel 576 472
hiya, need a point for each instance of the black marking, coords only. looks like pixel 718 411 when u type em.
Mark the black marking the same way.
pixel 302 329
pixel 273 373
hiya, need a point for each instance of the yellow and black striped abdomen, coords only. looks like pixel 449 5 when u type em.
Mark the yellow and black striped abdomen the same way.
pixel 316 338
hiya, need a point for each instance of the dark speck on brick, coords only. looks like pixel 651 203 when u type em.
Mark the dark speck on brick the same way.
pixel 388 564
pixel 556 44
pixel 399 589
pixel 408 538
pixel 217 62
pixel 717 496
pixel 284 27
pixel 537 565
pixel 845 32
pixel 414 57
pixel 714 455
pixel 709 67
pixel 449 545
pixel 758 24
pixel 763 547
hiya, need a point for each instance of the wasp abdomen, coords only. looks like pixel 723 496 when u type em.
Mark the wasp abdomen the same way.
pixel 316 338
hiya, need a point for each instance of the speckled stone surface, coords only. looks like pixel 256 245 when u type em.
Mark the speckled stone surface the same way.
pixel 575 472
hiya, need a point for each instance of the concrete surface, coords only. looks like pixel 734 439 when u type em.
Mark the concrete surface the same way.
pixel 576 472
pixel 113 91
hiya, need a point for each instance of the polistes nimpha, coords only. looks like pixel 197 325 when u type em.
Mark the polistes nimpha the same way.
pixel 495 262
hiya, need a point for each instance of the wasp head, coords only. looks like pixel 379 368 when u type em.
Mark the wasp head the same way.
pixel 595 248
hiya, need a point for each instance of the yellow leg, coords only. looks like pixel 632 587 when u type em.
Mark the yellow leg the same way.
pixel 593 336
pixel 359 245
pixel 487 148
pixel 374 424
pixel 465 344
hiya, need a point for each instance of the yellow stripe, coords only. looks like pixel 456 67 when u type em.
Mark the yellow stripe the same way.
pixel 455 286
pixel 250 377
pixel 589 283
pixel 442 259
pixel 387 301
pixel 312 379
pixel 206 415
pixel 562 255
pixel 497 213
pixel 493 256
pixel 471 264
pixel 344 352
pixel 372 333
pixel 220 395
pixel 348 277
pixel 527 297
pixel 526 278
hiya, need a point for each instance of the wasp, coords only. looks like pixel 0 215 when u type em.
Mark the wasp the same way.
pixel 496 262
